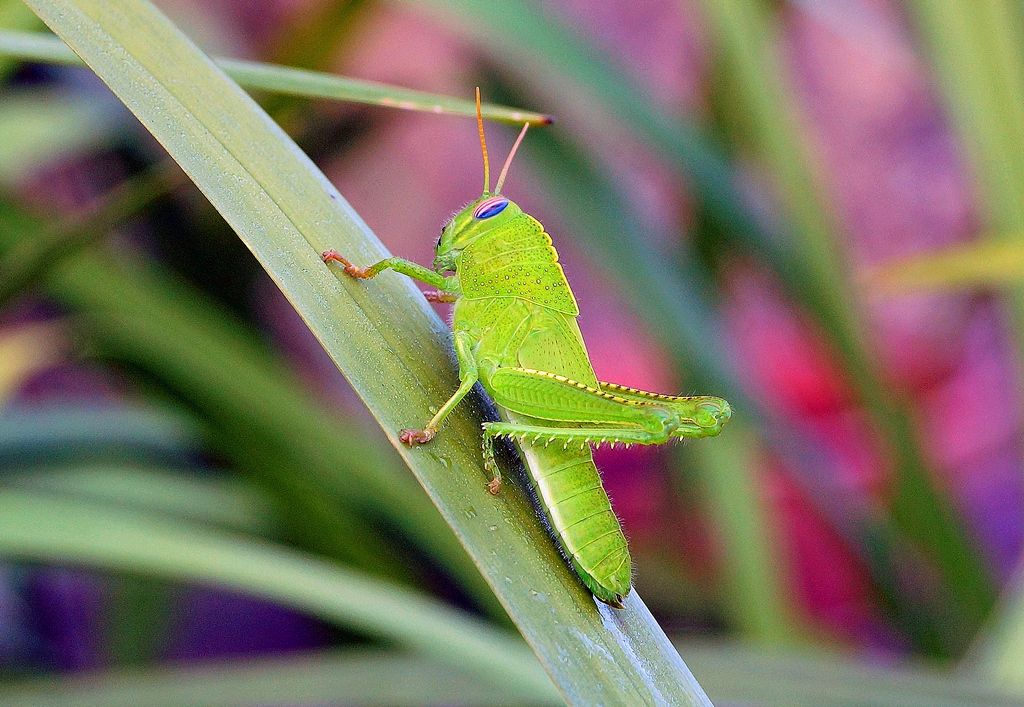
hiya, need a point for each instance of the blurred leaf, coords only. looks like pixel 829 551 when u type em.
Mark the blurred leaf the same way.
pixel 31 257
pixel 14 14
pixel 753 563
pixel 977 52
pixel 34 527
pixel 24 351
pixel 737 674
pixel 353 677
pixel 224 502
pixel 984 263
pixel 43 435
pixel 382 334
pixel 37 127
pixel 998 654
pixel 258 413
pixel 255 76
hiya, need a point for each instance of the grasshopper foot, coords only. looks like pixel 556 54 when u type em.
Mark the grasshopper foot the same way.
pixel 414 437
pixel 334 256
pixel 494 485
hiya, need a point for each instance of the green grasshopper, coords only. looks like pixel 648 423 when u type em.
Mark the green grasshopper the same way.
pixel 515 332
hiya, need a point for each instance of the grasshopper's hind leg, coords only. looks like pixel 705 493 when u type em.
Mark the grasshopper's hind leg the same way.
pixel 604 413
pixel 577 436
pixel 704 411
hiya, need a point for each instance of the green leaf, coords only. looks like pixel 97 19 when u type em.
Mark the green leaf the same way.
pixel 984 263
pixel 737 674
pixel 45 435
pixel 285 80
pixel 223 502
pixel 35 527
pixel 998 654
pixel 357 677
pixel 381 334
pixel 14 14
pixel 39 126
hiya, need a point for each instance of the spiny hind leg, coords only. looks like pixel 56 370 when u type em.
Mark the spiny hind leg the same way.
pixel 572 405
pixel 579 436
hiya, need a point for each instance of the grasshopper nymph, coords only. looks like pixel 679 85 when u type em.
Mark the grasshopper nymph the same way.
pixel 515 331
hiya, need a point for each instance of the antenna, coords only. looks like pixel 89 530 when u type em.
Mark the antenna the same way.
pixel 508 160
pixel 483 143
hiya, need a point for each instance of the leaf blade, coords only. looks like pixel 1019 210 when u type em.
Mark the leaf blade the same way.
pixel 381 334
pixel 303 83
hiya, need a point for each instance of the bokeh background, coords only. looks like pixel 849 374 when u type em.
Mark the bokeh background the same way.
pixel 810 207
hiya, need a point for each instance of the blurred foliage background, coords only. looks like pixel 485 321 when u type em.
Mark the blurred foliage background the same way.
pixel 812 208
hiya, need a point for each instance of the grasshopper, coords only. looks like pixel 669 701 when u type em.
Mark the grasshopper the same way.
pixel 515 332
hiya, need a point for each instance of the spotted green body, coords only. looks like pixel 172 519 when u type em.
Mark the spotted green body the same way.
pixel 515 331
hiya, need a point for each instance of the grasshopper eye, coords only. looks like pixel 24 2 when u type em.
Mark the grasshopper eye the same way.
pixel 490 207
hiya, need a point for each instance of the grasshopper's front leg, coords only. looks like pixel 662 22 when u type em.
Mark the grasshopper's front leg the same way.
pixel 468 376
pixel 400 265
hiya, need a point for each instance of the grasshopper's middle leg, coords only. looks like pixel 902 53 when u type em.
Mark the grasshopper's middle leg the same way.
pixel 468 376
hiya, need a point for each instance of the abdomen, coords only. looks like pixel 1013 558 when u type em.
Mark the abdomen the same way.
pixel 569 489
pixel 566 481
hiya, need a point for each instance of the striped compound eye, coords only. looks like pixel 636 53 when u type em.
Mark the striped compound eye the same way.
pixel 490 207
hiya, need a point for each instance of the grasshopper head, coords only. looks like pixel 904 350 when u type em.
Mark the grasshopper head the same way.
pixel 478 217
pixel 490 209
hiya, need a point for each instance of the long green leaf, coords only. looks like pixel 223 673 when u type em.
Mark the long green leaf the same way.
pixel 999 653
pixel 41 435
pixel 226 503
pixel 984 263
pixel 734 674
pixel 352 677
pixel 800 678
pixel 29 46
pixel 381 334
pixel 39 126
pixel 35 527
